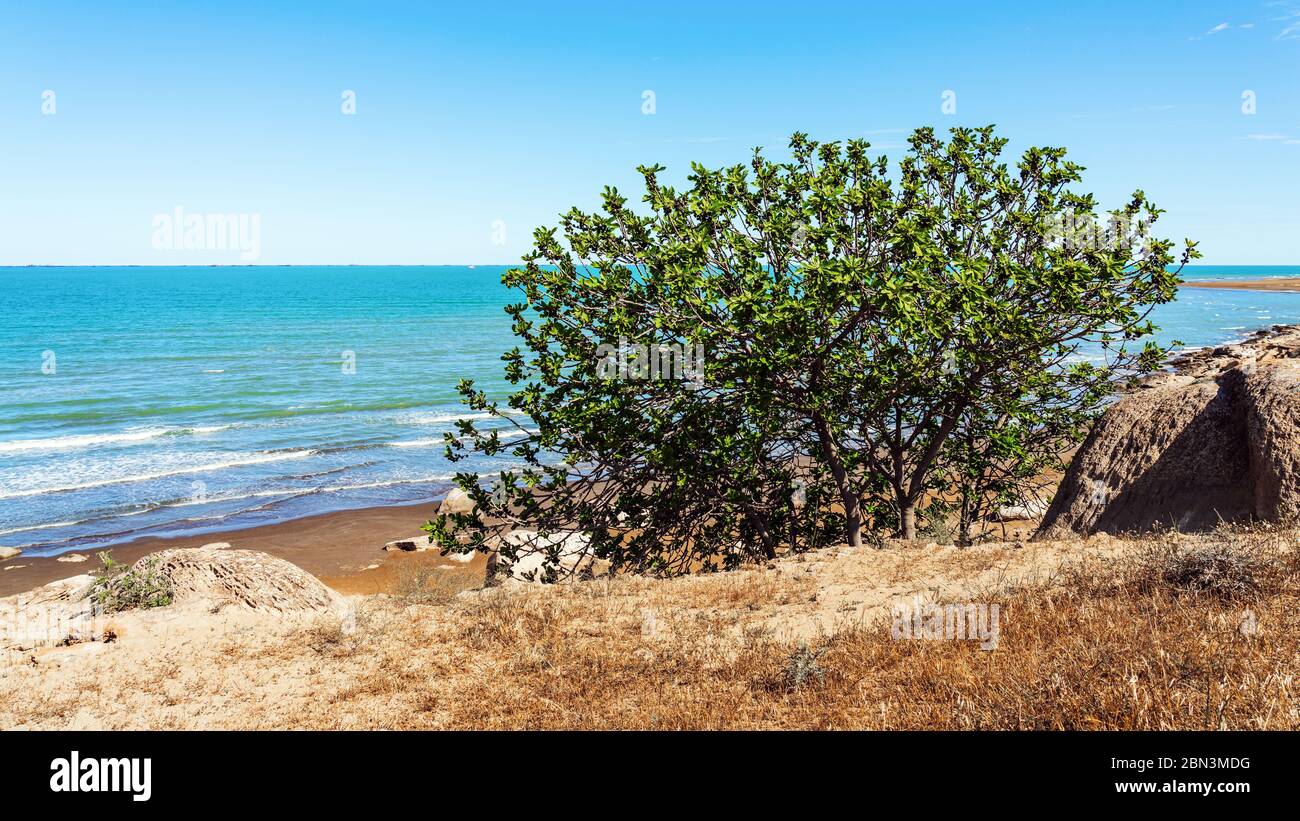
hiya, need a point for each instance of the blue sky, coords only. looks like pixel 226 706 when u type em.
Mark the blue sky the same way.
pixel 471 117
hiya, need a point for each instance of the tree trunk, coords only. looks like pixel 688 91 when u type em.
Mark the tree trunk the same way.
pixel 854 521
pixel 766 539
pixel 966 520
pixel 908 511
pixel 848 497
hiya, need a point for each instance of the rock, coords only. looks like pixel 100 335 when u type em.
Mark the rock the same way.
pixel 71 557
pixel 1172 456
pixel 1224 446
pixel 257 581
pixel 218 545
pixel 573 554
pixel 48 615
pixel 457 501
pixel 419 544
pixel 414 544
pixel 1031 509
pixel 9 553
pixel 1273 437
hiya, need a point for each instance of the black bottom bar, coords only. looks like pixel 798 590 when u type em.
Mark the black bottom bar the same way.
pixel 196 770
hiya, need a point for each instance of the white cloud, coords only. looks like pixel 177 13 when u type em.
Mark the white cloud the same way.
pixel 1290 20
pixel 1221 27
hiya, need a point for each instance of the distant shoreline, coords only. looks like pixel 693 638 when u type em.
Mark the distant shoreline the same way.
pixel 1274 284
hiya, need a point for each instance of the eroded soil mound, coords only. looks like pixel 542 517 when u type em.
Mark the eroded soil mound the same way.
pixel 247 578
pixel 1217 439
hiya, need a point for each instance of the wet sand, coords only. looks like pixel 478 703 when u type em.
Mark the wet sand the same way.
pixel 1272 284
pixel 340 548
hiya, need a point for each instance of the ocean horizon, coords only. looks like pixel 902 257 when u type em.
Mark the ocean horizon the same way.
pixel 174 401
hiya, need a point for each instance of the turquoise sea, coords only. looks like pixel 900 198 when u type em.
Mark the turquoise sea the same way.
pixel 162 401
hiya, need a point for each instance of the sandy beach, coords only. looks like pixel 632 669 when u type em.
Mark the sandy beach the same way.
pixel 344 549
pixel 1280 284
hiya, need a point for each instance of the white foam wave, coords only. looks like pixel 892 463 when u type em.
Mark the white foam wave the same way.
pixel 241 461
pixel 416 443
pixel 90 440
pixel 389 483
pixel 437 418
pixel 447 418
pixel 40 527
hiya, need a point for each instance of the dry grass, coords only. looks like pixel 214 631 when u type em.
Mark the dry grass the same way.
pixel 1142 641
pixel 425 583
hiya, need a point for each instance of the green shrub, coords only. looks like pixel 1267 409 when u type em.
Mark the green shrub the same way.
pixel 119 587
pixel 802 667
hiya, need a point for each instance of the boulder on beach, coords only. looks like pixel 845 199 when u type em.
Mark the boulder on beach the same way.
pixel 419 544
pixel 415 544
pixel 1217 440
pixel 9 553
pixel 457 501
pixel 248 578
pixel 66 612
pixel 572 550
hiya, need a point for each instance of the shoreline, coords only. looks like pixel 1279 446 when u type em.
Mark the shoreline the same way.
pixel 1273 284
pixel 342 548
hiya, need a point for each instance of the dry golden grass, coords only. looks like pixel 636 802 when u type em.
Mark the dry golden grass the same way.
pixel 425 583
pixel 1117 651
pixel 1132 640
